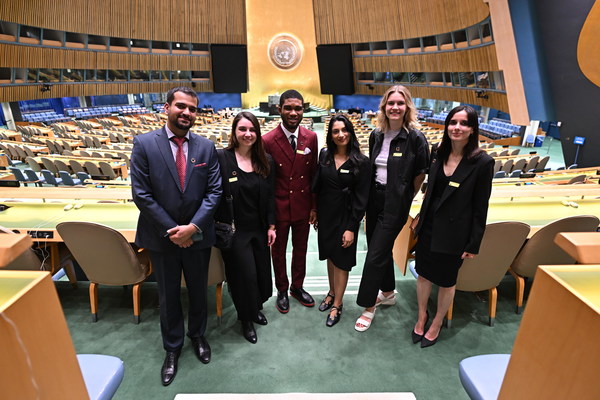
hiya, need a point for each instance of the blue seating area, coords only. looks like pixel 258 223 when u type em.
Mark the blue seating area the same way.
pixel 105 111
pixel 501 128
pixel 422 114
pixel 48 117
pixel 439 118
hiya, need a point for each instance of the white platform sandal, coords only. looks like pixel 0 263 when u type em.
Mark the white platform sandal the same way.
pixel 366 323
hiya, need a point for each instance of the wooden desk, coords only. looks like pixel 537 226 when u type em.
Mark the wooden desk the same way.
pixel 38 333
pixel 584 247
pixel 12 246
pixel 556 351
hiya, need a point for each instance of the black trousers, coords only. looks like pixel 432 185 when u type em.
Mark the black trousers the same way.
pixel 248 270
pixel 378 272
pixel 168 267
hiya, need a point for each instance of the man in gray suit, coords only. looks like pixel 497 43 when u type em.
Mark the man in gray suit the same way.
pixel 176 185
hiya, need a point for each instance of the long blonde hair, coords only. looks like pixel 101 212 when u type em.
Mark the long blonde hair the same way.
pixel 410 116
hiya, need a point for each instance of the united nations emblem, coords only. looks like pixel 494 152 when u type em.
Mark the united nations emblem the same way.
pixel 285 52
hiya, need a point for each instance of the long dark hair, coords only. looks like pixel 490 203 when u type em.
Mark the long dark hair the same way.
pixel 258 156
pixel 471 149
pixel 354 153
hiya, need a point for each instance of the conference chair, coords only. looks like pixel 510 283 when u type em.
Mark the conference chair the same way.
pixel 68 180
pixel 542 163
pixel 118 264
pixel 532 163
pixel 482 376
pixel 500 244
pixel 540 249
pixel 91 168
pixel 33 164
pixel 61 166
pixel 50 178
pixel 503 153
pixel 49 165
pixel 84 153
pixel 497 166
pixel 500 174
pixel 97 155
pixel 76 166
pixel 577 179
pixel 21 152
pixel 28 151
pixel 519 165
pixel 33 177
pixel 516 173
pixel 82 176
pixel 515 152
pixel 507 167
pixel 107 170
pixel 67 153
pixel 19 175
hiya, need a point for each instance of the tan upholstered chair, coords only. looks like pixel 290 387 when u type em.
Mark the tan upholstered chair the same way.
pixel 540 249
pixel 519 165
pixel 106 258
pixel 107 170
pixel 501 243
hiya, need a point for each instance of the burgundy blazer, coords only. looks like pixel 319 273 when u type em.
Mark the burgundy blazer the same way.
pixel 294 173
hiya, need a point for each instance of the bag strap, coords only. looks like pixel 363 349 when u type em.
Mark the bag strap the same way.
pixel 226 186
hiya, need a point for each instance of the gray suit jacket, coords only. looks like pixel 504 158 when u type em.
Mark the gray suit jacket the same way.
pixel 163 204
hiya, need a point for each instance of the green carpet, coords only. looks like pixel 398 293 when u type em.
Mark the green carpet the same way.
pixel 295 352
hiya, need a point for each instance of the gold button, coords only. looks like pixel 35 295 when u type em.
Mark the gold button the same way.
pixel 291 191
pixel 290 178
pixel 302 177
pixel 302 191
pixel 280 165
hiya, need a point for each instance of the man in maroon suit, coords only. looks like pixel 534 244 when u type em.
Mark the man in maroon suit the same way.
pixel 294 150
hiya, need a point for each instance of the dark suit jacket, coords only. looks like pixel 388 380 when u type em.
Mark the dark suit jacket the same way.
pixel 460 217
pixel 157 193
pixel 408 158
pixel 295 171
pixel 266 190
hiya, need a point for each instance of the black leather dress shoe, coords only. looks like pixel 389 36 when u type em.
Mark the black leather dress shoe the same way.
pixel 283 303
pixel 303 297
pixel 169 368
pixel 249 332
pixel 201 349
pixel 261 319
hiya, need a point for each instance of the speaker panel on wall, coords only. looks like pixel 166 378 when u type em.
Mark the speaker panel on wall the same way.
pixel 336 71
pixel 229 68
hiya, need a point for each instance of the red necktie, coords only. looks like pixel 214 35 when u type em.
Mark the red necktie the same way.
pixel 180 159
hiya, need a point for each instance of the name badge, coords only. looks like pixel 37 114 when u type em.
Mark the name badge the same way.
pixel 234 179
pixel 397 154
pixel 344 171
pixel 300 152
pixel 454 184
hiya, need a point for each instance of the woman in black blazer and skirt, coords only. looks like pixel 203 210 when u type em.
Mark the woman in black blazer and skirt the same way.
pixel 452 218
pixel 248 175
pixel 399 155
pixel 342 187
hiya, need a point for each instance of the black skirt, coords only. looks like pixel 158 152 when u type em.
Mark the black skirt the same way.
pixel 438 268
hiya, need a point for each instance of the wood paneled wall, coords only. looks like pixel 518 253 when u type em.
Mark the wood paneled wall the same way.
pixel 195 21
pixel 495 100
pixel 18 56
pixel 28 92
pixel 472 60
pixel 360 21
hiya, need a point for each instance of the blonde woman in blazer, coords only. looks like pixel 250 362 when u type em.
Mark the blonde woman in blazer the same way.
pixel 452 218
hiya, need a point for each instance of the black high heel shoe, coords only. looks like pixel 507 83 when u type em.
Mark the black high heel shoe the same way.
pixel 416 338
pixel 326 305
pixel 332 321
pixel 427 343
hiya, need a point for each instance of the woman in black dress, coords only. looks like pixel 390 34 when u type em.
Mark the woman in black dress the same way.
pixel 342 186
pixel 452 218
pixel 399 154
pixel 248 174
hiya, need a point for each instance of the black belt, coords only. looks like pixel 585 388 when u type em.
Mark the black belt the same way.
pixel 379 186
